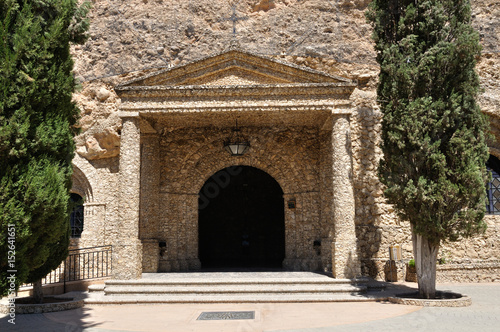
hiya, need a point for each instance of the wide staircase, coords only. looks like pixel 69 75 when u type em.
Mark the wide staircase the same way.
pixel 229 287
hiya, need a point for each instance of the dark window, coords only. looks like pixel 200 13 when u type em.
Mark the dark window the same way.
pixel 76 217
pixel 493 188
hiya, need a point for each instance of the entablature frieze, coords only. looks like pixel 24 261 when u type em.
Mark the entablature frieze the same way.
pixel 341 90
pixel 154 118
pixel 138 111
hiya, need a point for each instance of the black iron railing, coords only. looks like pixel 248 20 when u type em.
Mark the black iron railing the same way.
pixel 88 263
pixel 82 264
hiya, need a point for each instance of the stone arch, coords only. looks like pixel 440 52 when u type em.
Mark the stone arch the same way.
pixel 494 152
pixel 81 185
pixel 273 151
pixel 191 156
pixel 86 184
pixel 274 172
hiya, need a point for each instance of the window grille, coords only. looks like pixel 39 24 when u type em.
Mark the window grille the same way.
pixel 493 188
pixel 76 217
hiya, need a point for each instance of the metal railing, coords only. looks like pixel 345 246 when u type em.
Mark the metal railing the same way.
pixel 82 264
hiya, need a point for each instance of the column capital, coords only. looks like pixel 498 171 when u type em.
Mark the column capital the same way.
pixel 128 114
pixel 342 111
pixel 335 115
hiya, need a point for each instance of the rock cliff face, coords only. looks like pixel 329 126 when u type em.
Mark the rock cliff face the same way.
pixel 137 34
pixel 129 38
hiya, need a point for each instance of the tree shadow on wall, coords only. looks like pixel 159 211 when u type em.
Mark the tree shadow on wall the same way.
pixel 369 240
pixel 366 186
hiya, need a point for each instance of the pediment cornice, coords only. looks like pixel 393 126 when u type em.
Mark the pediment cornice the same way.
pixel 234 68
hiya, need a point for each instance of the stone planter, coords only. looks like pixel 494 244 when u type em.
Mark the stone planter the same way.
pixel 391 271
pixel 445 299
pixel 411 273
pixel 69 304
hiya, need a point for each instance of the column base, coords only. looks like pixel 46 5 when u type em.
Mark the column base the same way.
pixel 345 262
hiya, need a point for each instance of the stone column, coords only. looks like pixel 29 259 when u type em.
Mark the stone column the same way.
pixel 345 261
pixel 127 249
pixel 149 208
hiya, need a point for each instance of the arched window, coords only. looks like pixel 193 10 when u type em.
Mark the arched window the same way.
pixel 493 188
pixel 76 217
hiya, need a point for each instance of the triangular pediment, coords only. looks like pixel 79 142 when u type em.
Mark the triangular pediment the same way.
pixel 235 68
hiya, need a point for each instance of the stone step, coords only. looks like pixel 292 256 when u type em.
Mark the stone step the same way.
pixel 225 298
pixel 229 287
pixel 241 281
pixel 99 288
pixel 232 289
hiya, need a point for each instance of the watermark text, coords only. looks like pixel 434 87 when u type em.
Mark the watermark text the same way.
pixel 12 271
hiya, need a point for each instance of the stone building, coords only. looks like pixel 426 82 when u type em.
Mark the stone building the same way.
pixel 170 194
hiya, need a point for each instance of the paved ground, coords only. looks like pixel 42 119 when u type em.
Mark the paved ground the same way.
pixel 483 315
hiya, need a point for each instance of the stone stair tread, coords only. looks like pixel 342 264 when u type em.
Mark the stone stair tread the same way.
pixel 96 288
pixel 243 281
pixel 126 289
pixel 227 298
pixel 230 287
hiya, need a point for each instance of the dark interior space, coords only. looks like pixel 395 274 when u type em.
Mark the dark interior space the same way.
pixel 241 220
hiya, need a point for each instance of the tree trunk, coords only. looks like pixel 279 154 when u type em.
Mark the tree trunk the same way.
pixel 425 254
pixel 37 291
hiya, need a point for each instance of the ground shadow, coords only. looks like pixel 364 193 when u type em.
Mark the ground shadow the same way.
pixel 62 321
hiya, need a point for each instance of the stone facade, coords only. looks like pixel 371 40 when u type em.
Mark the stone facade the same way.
pixel 317 135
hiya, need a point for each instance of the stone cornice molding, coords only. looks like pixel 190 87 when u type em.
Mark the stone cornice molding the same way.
pixel 94 204
pixel 203 92
pixel 128 114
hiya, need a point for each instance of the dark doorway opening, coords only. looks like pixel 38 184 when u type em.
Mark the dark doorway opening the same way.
pixel 241 220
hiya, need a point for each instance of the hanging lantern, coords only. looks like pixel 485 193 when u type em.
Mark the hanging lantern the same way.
pixel 236 144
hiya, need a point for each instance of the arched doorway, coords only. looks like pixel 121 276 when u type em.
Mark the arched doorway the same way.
pixel 241 219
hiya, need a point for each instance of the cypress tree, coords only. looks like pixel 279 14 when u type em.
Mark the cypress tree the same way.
pixel 36 134
pixel 433 131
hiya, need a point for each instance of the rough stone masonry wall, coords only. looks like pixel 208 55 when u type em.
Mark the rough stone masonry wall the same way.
pixel 190 156
pixel 97 182
pixel 378 227
pixel 131 35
